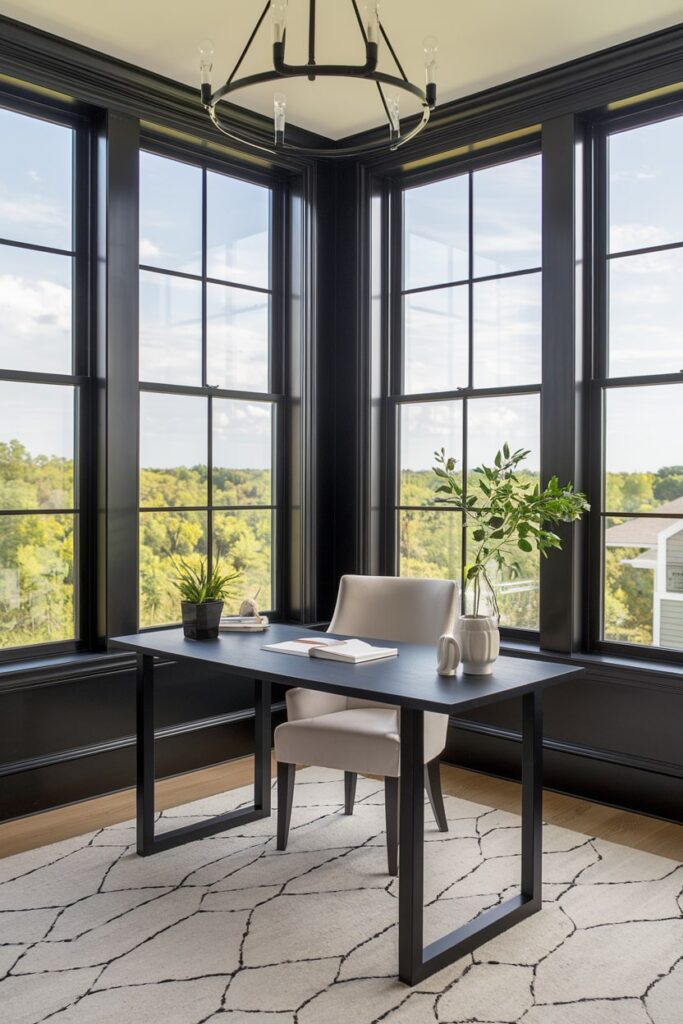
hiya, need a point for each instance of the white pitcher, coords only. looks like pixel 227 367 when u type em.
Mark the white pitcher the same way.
pixel 447 655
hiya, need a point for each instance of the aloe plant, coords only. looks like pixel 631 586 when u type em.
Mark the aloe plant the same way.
pixel 201 584
pixel 505 513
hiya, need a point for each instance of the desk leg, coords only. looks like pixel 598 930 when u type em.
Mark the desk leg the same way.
pixel 149 843
pixel 416 962
pixel 532 797
pixel 145 754
pixel 411 847
pixel 262 735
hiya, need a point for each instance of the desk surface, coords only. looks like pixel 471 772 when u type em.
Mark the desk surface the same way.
pixel 410 680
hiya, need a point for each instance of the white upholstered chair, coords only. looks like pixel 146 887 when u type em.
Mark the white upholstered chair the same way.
pixel 332 731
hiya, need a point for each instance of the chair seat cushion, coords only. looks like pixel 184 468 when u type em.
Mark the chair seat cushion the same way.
pixel 357 740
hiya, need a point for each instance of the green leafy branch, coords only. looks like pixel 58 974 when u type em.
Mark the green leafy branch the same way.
pixel 199 585
pixel 505 512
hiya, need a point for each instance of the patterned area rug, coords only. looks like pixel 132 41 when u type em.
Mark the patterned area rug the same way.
pixel 229 930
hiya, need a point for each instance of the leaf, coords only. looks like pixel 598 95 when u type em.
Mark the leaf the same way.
pixel 524 545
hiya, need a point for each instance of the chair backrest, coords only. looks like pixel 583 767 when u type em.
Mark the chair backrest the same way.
pixel 395 608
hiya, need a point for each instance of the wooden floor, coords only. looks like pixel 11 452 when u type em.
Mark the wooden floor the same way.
pixel 635 830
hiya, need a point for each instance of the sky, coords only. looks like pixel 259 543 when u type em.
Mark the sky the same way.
pixel 644 426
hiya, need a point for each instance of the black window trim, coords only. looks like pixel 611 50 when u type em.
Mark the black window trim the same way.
pixel 501 153
pixel 52 110
pixel 198 156
pixel 599 382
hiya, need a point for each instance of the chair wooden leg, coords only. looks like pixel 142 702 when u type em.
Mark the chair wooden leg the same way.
pixel 350 779
pixel 433 787
pixel 285 797
pixel 391 811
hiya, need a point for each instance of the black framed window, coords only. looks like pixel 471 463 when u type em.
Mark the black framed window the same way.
pixel 638 385
pixel 210 395
pixel 467 355
pixel 43 381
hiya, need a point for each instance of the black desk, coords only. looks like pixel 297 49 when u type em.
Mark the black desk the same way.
pixel 411 682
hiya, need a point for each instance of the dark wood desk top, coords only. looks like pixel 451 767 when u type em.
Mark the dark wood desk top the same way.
pixel 410 680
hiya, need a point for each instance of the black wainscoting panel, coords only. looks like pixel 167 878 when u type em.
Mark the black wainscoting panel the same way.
pixel 609 741
pixel 72 739
pixel 78 778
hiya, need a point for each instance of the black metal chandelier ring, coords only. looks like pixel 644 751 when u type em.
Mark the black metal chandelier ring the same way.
pixel 371 32
pixel 274 76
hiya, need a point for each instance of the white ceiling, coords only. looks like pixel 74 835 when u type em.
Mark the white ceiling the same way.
pixel 481 42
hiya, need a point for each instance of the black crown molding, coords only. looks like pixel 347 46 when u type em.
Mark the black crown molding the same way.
pixel 583 85
pixel 86 78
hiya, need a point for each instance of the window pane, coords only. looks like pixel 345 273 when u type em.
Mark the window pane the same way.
pixel 425 429
pixel 242 452
pixel 237 338
pixel 644 449
pixel 164 538
pixel 630 562
pixel 36 579
pixel 430 544
pixel 36 446
pixel 170 214
pixel 170 329
pixel 645 186
pixel 435 345
pixel 435 233
pixel 507 331
pixel 173 450
pixel 238 229
pixel 507 217
pixel 243 541
pixel 493 421
pixel 646 314
pixel 35 310
pixel 35 181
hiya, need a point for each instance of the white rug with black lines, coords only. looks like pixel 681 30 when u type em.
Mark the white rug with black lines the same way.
pixel 228 930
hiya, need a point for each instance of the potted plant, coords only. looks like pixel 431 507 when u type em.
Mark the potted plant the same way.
pixel 202 592
pixel 505 514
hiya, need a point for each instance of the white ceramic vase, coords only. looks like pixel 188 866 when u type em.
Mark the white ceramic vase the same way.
pixel 447 655
pixel 479 640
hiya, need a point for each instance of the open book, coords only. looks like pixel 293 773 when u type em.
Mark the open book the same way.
pixel 353 652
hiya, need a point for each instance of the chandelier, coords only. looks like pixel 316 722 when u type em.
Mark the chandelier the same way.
pixel 389 86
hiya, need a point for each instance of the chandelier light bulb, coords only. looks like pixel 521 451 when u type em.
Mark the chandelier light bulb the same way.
pixel 206 52
pixel 371 19
pixel 279 116
pixel 278 14
pixel 394 105
pixel 431 47
pixel 205 68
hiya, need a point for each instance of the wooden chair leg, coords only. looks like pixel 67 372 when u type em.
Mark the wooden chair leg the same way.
pixel 285 797
pixel 350 779
pixel 433 787
pixel 391 811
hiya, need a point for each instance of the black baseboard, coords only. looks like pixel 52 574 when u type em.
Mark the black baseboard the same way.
pixel 627 782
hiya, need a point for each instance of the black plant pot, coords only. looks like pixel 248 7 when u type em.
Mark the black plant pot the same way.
pixel 200 621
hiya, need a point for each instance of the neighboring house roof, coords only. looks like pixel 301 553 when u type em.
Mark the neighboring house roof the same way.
pixel 644 560
pixel 642 532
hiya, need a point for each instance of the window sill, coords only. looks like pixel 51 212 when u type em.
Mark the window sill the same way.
pixel 29 672
pixel 643 667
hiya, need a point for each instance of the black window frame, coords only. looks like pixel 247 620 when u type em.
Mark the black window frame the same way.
pixel 392 333
pixel 81 378
pixel 600 383
pixel 152 142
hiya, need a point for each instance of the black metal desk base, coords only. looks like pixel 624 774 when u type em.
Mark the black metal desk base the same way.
pixel 415 961
pixel 149 843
